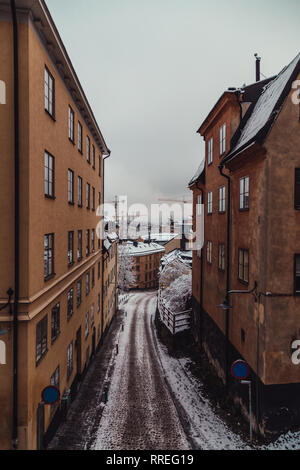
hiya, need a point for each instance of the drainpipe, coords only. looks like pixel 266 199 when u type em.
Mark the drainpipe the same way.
pixel 17 211
pixel 221 167
pixel 201 280
pixel 102 289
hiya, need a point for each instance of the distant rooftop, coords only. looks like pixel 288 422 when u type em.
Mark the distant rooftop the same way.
pixel 141 249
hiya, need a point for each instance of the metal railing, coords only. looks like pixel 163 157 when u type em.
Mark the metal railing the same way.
pixel 175 322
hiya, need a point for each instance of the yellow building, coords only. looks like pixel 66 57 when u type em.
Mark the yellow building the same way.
pixel 50 183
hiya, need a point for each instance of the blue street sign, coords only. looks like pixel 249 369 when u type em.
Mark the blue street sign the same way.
pixel 240 370
pixel 50 395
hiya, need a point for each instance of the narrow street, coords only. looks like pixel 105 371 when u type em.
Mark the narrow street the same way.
pixel 140 413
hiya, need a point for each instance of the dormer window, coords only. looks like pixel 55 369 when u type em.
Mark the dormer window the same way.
pixel 222 139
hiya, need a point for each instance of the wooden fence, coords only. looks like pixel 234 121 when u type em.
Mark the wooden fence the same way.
pixel 175 322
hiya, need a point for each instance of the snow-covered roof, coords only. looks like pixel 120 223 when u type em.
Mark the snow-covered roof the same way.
pixel 267 107
pixel 185 257
pixel 198 173
pixel 141 249
pixel 161 237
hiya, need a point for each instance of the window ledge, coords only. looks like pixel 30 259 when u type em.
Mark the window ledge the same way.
pixel 50 197
pixel 72 141
pixel 50 115
pixel 41 358
pixel 48 278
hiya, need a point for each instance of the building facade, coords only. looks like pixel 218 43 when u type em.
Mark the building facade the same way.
pixel 51 247
pixel 146 262
pixel 246 277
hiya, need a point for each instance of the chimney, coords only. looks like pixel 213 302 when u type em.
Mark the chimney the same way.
pixel 258 59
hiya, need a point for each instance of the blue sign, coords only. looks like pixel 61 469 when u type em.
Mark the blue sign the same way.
pixel 240 370
pixel 50 395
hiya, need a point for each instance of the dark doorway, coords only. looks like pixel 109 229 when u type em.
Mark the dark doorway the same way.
pixel 40 424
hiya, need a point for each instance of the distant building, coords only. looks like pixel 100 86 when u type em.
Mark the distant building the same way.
pixel 170 241
pixel 146 258
pixel 252 243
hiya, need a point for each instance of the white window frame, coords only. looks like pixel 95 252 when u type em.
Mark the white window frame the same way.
pixel 223 130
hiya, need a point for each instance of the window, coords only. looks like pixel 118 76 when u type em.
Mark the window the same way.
pixel 199 205
pixel 93 199
pixel 222 139
pixel 93 157
pixel 210 203
pixel 87 283
pixel 70 303
pixel 79 245
pixel 79 137
pixel 71 124
pixel 243 273
pixel 70 248
pixel 243 336
pixel 222 199
pixel 209 252
pixel 88 195
pixel 41 339
pixel 49 93
pixel 99 303
pixel 297 274
pixel 297 189
pixel 93 278
pixel 87 249
pixel 49 175
pixel 70 187
pixel 93 240
pixel 88 149
pixel 99 200
pixel 78 293
pixel 55 382
pixel 79 191
pixel 221 257
pixel 92 314
pixel 87 324
pixel 55 323
pixel 99 270
pixel 244 193
pixel 70 360
pixel 210 151
pixel 48 255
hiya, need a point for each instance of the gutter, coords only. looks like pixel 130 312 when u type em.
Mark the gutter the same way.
pixel 221 167
pixel 102 288
pixel 17 213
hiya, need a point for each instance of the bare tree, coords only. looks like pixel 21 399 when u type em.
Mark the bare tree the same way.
pixel 127 275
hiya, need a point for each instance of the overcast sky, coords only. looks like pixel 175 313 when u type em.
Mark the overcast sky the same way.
pixel 152 70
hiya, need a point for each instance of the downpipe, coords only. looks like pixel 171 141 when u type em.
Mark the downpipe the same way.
pixel 17 213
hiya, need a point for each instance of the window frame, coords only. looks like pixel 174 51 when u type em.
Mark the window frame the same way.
pixel 41 339
pixel 79 192
pixel 223 139
pixel 55 322
pixel 209 250
pixel 222 257
pixel 244 204
pixel 88 196
pixel 71 125
pixel 71 248
pixel 80 137
pixel 70 187
pixel 46 106
pixel 88 149
pixel 49 236
pixel 70 361
pixel 222 200
pixel 209 202
pixel 243 251
pixel 49 171
pixel 70 304
pixel 79 293
pixel 210 149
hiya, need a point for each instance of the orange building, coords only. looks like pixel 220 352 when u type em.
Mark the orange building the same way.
pixel 146 258
pixel 246 279
pixel 51 184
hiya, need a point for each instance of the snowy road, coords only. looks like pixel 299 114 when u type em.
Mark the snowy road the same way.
pixel 140 413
